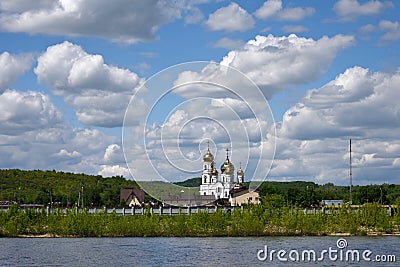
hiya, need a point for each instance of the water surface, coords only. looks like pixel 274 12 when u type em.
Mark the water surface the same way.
pixel 210 251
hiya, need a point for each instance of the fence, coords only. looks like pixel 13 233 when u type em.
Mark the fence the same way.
pixel 126 211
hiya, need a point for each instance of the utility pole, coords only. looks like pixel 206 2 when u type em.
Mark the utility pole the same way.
pixel 51 198
pixel 351 177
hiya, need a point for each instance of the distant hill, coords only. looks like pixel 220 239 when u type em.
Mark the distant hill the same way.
pixel 192 182
pixel 158 189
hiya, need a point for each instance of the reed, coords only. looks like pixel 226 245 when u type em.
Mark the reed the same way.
pixel 255 220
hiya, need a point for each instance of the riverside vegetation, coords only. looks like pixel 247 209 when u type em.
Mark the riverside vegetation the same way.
pixel 258 220
pixel 281 211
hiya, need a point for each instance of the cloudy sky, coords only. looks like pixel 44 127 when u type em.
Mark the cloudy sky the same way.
pixel 325 71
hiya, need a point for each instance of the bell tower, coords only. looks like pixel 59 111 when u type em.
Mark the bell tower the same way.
pixel 208 175
pixel 208 166
pixel 240 175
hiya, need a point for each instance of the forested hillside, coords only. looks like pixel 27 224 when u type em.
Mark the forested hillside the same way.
pixel 66 189
pixel 63 188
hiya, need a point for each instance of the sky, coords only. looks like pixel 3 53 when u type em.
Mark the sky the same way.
pixel 139 88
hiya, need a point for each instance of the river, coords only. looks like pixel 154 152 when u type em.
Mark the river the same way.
pixel 226 251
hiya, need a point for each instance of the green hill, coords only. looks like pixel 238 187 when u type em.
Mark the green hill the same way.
pixel 42 187
pixel 192 182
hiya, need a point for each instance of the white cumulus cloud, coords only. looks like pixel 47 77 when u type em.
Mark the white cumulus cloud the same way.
pixel 230 18
pixel 273 63
pixel 33 138
pixel 67 68
pixel 26 111
pixel 313 137
pixel 391 29
pixel 273 9
pixel 121 20
pixel 99 93
pixel 114 170
pixel 11 67
pixel 113 154
pixel 351 9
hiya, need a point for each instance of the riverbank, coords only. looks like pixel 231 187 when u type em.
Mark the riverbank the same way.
pixel 331 234
pixel 48 235
pixel 369 220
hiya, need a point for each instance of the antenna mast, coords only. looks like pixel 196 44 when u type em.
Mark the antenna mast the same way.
pixel 351 176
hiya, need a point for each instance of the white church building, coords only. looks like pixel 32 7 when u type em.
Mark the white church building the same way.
pixel 217 189
pixel 219 186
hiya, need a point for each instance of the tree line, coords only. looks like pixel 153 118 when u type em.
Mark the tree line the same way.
pixel 307 194
pixel 68 189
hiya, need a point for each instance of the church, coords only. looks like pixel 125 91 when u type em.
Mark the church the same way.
pixel 219 186
pixel 216 189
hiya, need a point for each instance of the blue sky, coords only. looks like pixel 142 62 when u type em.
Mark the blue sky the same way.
pixel 328 69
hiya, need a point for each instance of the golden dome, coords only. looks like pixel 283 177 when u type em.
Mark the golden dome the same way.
pixel 208 156
pixel 240 171
pixel 227 166
pixel 230 169
pixel 224 165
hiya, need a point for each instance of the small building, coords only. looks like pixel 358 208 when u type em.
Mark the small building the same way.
pixel 244 196
pixel 332 203
pixel 132 197
pixel 182 200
